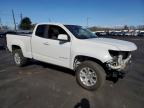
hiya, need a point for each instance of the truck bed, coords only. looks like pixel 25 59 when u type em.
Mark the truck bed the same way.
pixel 23 40
pixel 21 34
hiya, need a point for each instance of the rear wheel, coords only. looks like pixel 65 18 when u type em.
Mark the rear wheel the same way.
pixel 19 59
pixel 90 75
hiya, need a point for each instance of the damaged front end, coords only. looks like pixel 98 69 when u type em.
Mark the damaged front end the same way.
pixel 119 62
pixel 118 65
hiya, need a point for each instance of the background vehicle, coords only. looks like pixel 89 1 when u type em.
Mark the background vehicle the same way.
pixel 73 47
pixel 141 34
pixel 128 34
pixel 3 43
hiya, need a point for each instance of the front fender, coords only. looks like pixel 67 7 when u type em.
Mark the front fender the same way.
pixel 99 54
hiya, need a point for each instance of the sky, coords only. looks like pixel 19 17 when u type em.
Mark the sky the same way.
pixel 106 13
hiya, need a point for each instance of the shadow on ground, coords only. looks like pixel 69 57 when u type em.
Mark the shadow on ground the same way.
pixel 66 70
pixel 51 66
pixel 84 103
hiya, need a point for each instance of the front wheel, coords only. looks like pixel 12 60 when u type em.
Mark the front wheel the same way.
pixel 90 75
pixel 19 59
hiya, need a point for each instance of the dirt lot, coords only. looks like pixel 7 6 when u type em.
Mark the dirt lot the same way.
pixel 40 85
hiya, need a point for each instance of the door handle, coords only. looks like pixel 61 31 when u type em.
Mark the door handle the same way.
pixel 46 43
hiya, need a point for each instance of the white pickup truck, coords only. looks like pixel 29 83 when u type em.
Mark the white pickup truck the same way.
pixel 73 47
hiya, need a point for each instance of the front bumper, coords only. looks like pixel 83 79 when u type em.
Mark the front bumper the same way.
pixel 119 65
pixel 118 72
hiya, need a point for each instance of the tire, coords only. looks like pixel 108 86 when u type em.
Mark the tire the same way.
pixel 19 59
pixel 97 75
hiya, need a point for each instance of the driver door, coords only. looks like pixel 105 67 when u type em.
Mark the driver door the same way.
pixel 49 49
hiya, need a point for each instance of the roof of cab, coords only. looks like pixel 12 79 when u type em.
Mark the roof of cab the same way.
pixel 60 24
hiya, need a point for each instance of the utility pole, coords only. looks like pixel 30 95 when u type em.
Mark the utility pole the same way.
pixel 87 21
pixel 14 19
pixel 49 20
pixel 21 16
pixel 0 23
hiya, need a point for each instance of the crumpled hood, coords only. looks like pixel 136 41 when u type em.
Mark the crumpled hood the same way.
pixel 120 44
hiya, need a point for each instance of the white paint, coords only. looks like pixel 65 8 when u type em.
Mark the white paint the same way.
pixel 51 51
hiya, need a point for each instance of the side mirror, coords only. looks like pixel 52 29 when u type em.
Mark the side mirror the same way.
pixel 63 37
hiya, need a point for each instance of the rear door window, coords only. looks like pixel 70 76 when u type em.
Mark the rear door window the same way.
pixel 42 31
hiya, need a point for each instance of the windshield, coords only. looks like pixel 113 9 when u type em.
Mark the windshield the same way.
pixel 80 32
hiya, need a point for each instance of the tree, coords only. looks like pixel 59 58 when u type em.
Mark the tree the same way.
pixel 126 27
pixel 140 27
pixel 25 24
pixel 93 28
pixel 33 26
pixel 5 27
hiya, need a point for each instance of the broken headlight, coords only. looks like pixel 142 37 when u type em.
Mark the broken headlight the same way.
pixel 124 54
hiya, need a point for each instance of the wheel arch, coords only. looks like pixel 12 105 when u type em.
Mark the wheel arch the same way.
pixel 20 46
pixel 84 58
pixel 15 47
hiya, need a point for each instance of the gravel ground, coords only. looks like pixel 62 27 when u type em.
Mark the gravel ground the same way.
pixel 41 85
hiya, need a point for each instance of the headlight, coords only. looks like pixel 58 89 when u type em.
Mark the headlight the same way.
pixel 113 53
pixel 124 54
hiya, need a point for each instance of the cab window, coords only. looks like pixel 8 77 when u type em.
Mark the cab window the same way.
pixel 54 31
